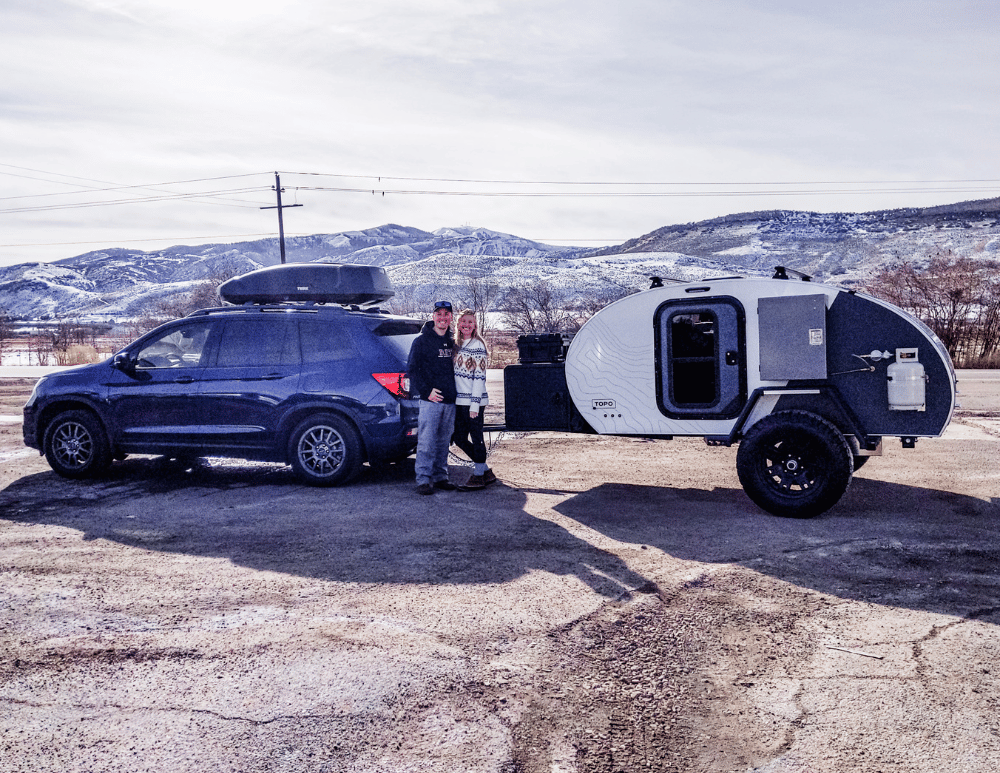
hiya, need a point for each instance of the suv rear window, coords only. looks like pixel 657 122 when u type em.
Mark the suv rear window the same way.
pixel 398 334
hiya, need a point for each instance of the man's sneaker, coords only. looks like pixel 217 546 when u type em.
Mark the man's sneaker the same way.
pixel 489 477
pixel 425 488
pixel 473 483
pixel 445 485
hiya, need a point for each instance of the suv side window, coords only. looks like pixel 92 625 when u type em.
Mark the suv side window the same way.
pixel 260 342
pixel 325 342
pixel 180 347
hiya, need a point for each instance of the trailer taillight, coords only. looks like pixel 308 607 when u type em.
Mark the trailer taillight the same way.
pixel 397 383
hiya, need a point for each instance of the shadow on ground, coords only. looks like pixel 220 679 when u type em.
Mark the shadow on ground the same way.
pixel 376 530
pixel 884 543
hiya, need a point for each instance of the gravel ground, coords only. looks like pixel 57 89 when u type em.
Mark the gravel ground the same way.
pixel 611 605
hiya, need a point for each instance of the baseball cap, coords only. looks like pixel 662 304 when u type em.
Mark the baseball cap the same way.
pixel 442 305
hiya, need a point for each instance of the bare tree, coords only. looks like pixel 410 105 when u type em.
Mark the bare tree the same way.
pixel 40 346
pixel 6 331
pixel 585 307
pixel 957 297
pixel 535 308
pixel 479 294
pixel 202 295
pixel 404 301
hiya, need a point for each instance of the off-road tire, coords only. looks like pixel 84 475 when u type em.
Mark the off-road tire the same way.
pixel 794 464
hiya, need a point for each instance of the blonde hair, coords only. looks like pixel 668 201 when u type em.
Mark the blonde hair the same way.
pixel 460 337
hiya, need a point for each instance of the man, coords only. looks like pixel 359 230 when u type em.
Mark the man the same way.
pixel 431 370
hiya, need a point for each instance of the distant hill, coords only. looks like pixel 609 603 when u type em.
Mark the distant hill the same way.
pixel 845 247
pixel 840 247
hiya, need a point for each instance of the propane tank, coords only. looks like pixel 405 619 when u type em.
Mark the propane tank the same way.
pixel 907 382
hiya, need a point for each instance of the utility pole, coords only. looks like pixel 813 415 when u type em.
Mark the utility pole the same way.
pixel 281 220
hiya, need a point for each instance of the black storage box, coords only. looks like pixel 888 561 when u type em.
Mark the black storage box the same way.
pixel 536 399
pixel 543 347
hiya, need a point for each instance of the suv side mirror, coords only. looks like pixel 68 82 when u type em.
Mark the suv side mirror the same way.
pixel 123 363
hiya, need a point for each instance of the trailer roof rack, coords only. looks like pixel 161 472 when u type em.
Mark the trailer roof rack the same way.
pixel 782 272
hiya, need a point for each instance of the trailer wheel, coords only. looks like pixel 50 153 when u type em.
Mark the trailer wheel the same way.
pixel 324 450
pixel 794 464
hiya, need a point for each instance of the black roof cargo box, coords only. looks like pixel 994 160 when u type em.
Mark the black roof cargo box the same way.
pixel 309 282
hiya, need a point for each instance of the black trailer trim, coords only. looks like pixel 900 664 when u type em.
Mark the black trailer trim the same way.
pixel 847 422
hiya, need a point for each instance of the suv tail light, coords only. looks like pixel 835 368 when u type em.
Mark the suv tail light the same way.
pixel 397 383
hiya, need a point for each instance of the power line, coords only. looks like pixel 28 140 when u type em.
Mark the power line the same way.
pixel 641 194
pixel 155 187
pixel 119 186
pixel 140 200
pixel 637 183
pixel 158 239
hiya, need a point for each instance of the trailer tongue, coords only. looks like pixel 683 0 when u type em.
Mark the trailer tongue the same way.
pixel 807 378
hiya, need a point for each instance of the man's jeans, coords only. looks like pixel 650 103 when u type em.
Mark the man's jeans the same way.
pixel 435 425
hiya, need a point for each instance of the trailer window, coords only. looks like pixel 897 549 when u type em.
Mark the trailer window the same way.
pixel 693 359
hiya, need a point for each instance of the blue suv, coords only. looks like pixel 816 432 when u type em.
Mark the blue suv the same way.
pixel 289 376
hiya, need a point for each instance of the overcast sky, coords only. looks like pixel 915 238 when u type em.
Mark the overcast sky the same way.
pixel 635 113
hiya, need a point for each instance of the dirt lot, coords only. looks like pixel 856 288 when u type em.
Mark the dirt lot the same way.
pixel 612 605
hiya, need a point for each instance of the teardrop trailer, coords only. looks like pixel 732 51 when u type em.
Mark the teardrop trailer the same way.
pixel 808 379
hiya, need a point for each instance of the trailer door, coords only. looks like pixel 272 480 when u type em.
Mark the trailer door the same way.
pixel 701 358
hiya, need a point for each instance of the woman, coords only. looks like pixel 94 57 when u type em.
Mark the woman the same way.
pixel 471 356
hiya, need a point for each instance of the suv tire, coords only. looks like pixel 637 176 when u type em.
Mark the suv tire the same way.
pixel 76 445
pixel 324 450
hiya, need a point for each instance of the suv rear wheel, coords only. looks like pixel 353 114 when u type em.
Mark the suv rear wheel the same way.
pixel 324 450
pixel 76 445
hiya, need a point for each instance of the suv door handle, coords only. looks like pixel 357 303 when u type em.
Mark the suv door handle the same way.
pixel 184 380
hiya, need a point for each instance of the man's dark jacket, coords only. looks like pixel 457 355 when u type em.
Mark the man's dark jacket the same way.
pixel 431 365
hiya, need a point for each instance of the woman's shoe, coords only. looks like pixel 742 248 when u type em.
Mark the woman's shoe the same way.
pixel 473 483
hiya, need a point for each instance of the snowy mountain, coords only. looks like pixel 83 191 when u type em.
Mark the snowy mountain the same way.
pixel 840 247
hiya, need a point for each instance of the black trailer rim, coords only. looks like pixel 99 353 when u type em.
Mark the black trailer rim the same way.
pixel 795 463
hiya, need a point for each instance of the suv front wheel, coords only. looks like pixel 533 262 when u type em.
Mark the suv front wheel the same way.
pixel 76 446
pixel 324 450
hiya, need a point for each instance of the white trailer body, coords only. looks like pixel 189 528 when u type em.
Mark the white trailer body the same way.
pixel 807 378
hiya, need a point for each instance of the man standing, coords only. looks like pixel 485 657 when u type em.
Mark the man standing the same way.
pixel 431 370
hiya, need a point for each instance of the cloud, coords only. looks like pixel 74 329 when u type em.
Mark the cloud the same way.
pixel 143 91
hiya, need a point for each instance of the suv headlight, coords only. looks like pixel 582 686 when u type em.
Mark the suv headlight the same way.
pixel 34 391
